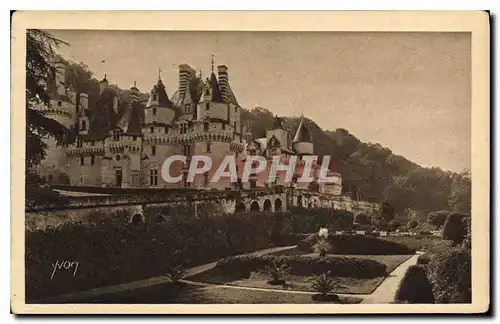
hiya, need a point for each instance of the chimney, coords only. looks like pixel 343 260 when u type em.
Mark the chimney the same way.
pixel 184 71
pixel 223 82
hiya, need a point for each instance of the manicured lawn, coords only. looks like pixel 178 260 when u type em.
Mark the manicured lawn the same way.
pixel 191 294
pixel 421 243
pixel 260 278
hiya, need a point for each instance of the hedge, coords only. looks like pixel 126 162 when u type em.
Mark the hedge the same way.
pixel 306 265
pixel 357 244
pixel 112 253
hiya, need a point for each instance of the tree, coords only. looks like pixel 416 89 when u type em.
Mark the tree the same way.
pixel 413 223
pixel 387 211
pixel 394 225
pixel 455 228
pixel 39 51
pixel 460 193
pixel 438 218
pixel 362 219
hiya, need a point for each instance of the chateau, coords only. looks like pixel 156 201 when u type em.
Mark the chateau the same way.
pixel 125 146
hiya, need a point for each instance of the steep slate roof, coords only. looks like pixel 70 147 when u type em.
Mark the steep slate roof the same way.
pixel 104 119
pixel 231 96
pixel 132 118
pixel 102 116
pixel 216 94
pixel 302 134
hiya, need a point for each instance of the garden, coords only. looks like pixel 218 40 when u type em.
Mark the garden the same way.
pixel 319 267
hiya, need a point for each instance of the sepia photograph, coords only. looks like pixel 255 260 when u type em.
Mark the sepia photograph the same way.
pixel 174 167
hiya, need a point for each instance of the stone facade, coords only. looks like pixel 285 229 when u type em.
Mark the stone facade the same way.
pixel 125 144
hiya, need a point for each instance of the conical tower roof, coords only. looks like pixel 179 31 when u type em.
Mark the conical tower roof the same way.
pixel 302 134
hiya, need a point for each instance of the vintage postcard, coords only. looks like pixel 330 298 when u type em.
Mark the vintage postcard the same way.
pixel 266 162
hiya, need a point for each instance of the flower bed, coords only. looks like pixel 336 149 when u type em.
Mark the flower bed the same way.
pixel 306 265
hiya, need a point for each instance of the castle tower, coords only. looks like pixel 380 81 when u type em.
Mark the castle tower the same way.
pixel 60 78
pixel 302 142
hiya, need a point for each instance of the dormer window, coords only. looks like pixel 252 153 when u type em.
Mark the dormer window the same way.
pixel 84 125
pixel 59 103
pixel 153 150
pixel 154 97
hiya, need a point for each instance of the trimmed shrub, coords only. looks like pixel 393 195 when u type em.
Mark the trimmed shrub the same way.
pixel 357 244
pixel 415 287
pixel 455 228
pixel 424 259
pixel 394 225
pixel 451 276
pixel 305 265
pixel 438 218
pixel 362 219
pixel 412 224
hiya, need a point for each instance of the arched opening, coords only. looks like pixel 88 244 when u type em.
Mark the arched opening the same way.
pixel 278 205
pixel 240 207
pixel 137 219
pixel 254 206
pixel 160 219
pixel 299 201
pixel 267 205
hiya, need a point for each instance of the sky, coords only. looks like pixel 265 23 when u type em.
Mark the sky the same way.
pixel 410 92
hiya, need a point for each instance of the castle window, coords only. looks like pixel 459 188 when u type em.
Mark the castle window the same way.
pixel 116 136
pixel 154 111
pixel 92 160
pixel 253 184
pixel 118 158
pixel 166 130
pixel 79 142
pixel 208 147
pixel 223 126
pixel 235 109
pixel 92 143
pixel 153 150
pixel 135 138
pixel 152 129
pixel 59 103
pixel 208 106
pixel 81 180
pixel 84 125
pixel 82 160
pixel 153 177
pixel 205 126
pixel 154 97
